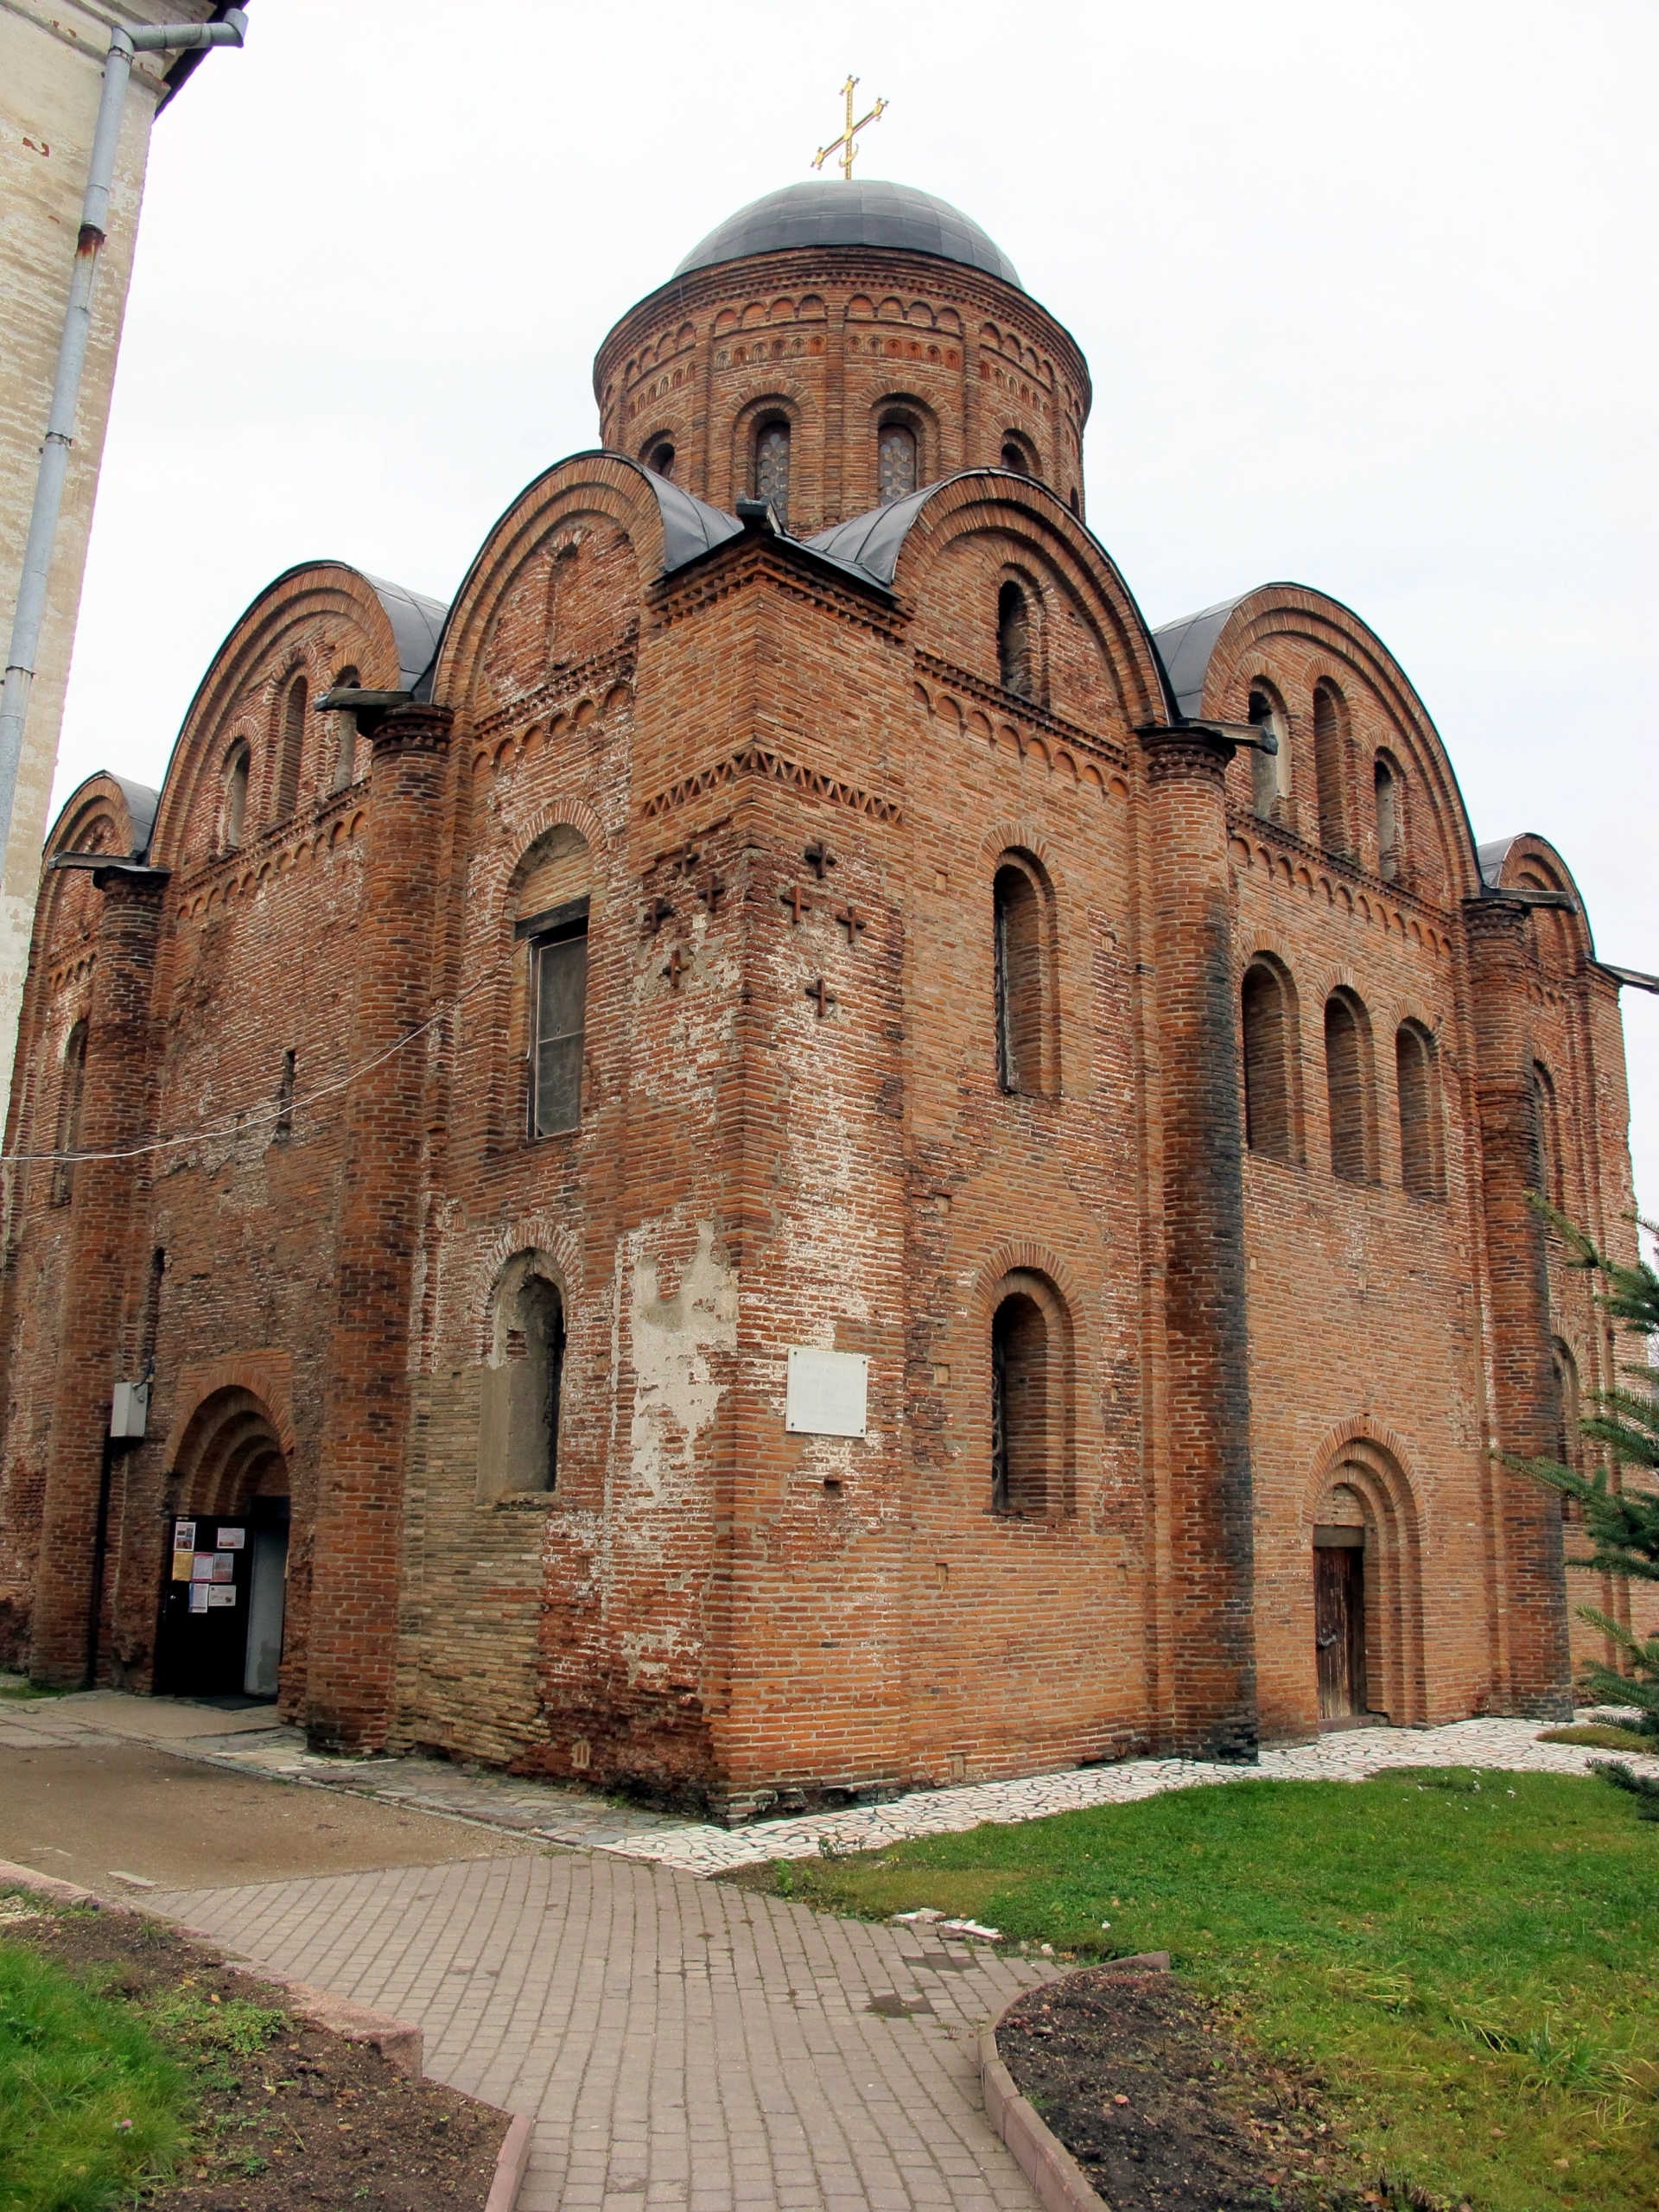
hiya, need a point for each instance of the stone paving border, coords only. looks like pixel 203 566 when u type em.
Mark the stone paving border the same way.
pixel 1059 2181
pixel 401 2045
pixel 1347 1755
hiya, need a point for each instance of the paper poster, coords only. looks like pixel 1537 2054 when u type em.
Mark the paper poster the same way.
pixel 181 1561
pixel 224 1565
pixel 184 1535
pixel 231 1540
pixel 200 1593
pixel 201 1566
pixel 219 1594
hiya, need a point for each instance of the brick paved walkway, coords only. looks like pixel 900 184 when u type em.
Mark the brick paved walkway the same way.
pixel 680 2043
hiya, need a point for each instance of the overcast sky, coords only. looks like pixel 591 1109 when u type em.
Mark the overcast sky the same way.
pixel 1369 294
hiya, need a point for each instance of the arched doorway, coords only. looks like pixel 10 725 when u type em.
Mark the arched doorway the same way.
pixel 1368 1623
pixel 224 1598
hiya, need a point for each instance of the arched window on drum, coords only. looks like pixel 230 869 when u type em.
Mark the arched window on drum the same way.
pixel 895 462
pixel 772 466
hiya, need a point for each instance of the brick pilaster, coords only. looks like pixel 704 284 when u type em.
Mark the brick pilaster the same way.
pixel 1211 1671
pixel 352 1653
pixel 1532 1578
pixel 101 1266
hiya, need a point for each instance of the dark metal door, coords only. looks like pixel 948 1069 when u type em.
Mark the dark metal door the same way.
pixel 1340 1628
pixel 204 1637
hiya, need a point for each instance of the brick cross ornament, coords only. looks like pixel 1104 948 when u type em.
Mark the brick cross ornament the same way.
pixel 822 996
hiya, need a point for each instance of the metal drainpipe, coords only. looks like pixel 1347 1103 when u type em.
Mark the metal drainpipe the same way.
pixel 31 612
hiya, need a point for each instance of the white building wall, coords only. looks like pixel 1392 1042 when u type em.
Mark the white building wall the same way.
pixel 51 73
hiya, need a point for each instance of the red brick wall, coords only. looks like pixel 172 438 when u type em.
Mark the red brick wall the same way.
pixel 705 1603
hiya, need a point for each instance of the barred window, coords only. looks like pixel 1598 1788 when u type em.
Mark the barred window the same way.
pixel 1330 769
pixel 1018 950
pixel 1420 1131
pixel 1388 818
pixel 895 462
pixel 1347 1082
pixel 772 468
pixel 1267 1082
pixel 1267 775
pixel 71 1085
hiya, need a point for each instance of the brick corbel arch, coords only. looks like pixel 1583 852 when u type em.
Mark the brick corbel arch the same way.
pixel 1043 1271
pixel 265 1375
pixel 1021 1255
pixel 1024 837
pixel 1367 1457
pixel 1266 945
pixel 525 1233
pixel 507 861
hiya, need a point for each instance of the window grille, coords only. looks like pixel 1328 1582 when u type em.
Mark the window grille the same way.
pixel 771 468
pixel 896 462
pixel 236 798
pixel 1344 1074
pixel 1329 767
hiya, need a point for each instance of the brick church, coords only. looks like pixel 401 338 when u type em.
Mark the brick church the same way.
pixel 781 1155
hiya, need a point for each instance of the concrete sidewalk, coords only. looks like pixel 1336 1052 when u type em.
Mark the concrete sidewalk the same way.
pixel 680 2043
pixel 561 1813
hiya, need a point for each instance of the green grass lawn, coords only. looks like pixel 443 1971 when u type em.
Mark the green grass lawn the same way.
pixel 1467 1961
pixel 1603 1736
pixel 90 2102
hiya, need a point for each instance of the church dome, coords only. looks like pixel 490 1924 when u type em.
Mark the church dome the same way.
pixel 859 212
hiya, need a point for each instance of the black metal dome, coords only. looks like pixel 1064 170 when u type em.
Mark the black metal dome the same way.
pixel 857 213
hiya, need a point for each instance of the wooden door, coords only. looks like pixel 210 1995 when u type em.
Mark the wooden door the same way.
pixel 1340 1628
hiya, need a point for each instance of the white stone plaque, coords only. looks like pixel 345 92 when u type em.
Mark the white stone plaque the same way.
pixel 828 1393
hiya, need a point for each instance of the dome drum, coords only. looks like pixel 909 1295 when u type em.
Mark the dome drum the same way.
pixel 797 349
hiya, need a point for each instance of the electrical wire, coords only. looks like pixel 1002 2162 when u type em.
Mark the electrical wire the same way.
pixel 251 1118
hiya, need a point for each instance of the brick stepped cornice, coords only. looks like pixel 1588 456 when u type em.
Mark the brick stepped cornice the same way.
pixel 1015 709
pixel 1242 822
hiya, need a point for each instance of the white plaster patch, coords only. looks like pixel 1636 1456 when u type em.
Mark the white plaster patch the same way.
pixel 675 1392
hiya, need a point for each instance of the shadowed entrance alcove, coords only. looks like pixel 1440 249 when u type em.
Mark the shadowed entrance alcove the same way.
pixel 1367 1589
pixel 225 1596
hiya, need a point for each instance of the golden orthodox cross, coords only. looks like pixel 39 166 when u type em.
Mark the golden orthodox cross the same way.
pixel 846 145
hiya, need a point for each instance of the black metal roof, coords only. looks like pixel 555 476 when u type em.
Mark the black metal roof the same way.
pixel 1184 648
pixel 866 212
pixel 690 526
pixel 142 803
pixel 417 625
pixel 872 542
